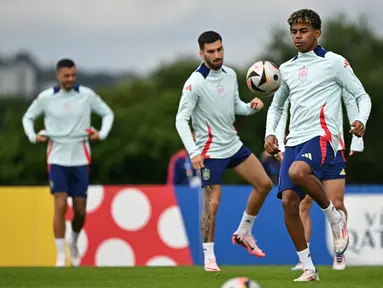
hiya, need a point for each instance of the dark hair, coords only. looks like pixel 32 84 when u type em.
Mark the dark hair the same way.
pixel 208 37
pixel 65 63
pixel 305 16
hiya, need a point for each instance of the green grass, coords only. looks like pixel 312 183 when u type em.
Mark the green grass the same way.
pixel 184 277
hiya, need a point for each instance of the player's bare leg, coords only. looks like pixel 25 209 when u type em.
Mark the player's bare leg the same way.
pixel 60 206
pixel 79 211
pixel 212 196
pixel 294 225
pixel 335 189
pixel 304 212
pixel 251 171
pixel 301 174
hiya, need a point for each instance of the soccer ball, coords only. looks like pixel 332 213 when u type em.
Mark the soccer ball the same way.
pixel 240 282
pixel 263 78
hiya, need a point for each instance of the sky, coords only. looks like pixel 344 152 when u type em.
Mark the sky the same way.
pixel 140 35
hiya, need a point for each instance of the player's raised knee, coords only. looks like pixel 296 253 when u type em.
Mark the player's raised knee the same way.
pixel 298 171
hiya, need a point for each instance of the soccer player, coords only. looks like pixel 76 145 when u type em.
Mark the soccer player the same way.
pixel 67 117
pixel 333 177
pixel 210 97
pixel 313 81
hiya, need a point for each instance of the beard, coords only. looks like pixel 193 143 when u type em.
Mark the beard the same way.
pixel 68 85
pixel 214 65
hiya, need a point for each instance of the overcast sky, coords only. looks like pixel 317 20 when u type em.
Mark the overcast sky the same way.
pixel 118 35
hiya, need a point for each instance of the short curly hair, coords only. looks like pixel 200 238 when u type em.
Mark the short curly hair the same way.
pixel 305 16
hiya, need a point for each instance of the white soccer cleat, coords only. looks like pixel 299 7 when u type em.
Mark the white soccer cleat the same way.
pixel 75 258
pixel 248 242
pixel 339 262
pixel 211 265
pixel 340 235
pixel 298 267
pixel 61 260
pixel 308 275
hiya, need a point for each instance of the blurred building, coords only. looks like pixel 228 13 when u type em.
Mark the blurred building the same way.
pixel 18 77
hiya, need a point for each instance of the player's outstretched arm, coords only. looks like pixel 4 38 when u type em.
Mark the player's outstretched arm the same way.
pixel 188 101
pixel 348 80
pixel 101 108
pixel 357 144
pixel 35 110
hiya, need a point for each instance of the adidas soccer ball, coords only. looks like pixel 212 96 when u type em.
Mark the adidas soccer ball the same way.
pixel 240 282
pixel 263 78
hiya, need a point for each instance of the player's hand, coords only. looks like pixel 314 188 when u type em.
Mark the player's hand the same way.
pixel 357 129
pixel 95 136
pixel 279 156
pixel 41 139
pixel 271 145
pixel 256 104
pixel 353 153
pixel 197 162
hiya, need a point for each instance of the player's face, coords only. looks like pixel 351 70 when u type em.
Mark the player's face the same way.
pixel 212 54
pixel 67 77
pixel 305 37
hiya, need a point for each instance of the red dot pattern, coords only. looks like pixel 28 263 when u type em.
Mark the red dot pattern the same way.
pixel 146 242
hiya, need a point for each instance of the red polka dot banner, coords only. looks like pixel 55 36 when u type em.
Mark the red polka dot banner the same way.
pixel 132 226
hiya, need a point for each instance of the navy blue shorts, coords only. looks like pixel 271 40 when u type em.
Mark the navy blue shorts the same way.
pixel 73 180
pixel 336 169
pixel 317 153
pixel 214 168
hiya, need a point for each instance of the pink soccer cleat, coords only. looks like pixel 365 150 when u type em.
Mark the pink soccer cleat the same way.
pixel 211 265
pixel 248 242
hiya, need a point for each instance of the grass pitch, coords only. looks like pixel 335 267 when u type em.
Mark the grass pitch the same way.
pixel 184 277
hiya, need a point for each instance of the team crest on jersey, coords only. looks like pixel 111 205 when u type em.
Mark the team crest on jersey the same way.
pixel 206 174
pixel 302 75
pixel 220 90
pixel 67 106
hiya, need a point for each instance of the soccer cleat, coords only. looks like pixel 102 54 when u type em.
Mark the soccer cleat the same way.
pixel 61 260
pixel 340 235
pixel 248 242
pixel 211 265
pixel 75 258
pixel 308 275
pixel 298 267
pixel 339 262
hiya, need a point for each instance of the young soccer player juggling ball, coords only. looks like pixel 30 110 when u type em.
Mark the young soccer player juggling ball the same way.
pixel 313 81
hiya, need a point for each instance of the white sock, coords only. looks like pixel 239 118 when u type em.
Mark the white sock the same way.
pixel 74 237
pixel 208 250
pixel 60 246
pixel 246 224
pixel 333 215
pixel 308 246
pixel 305 259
